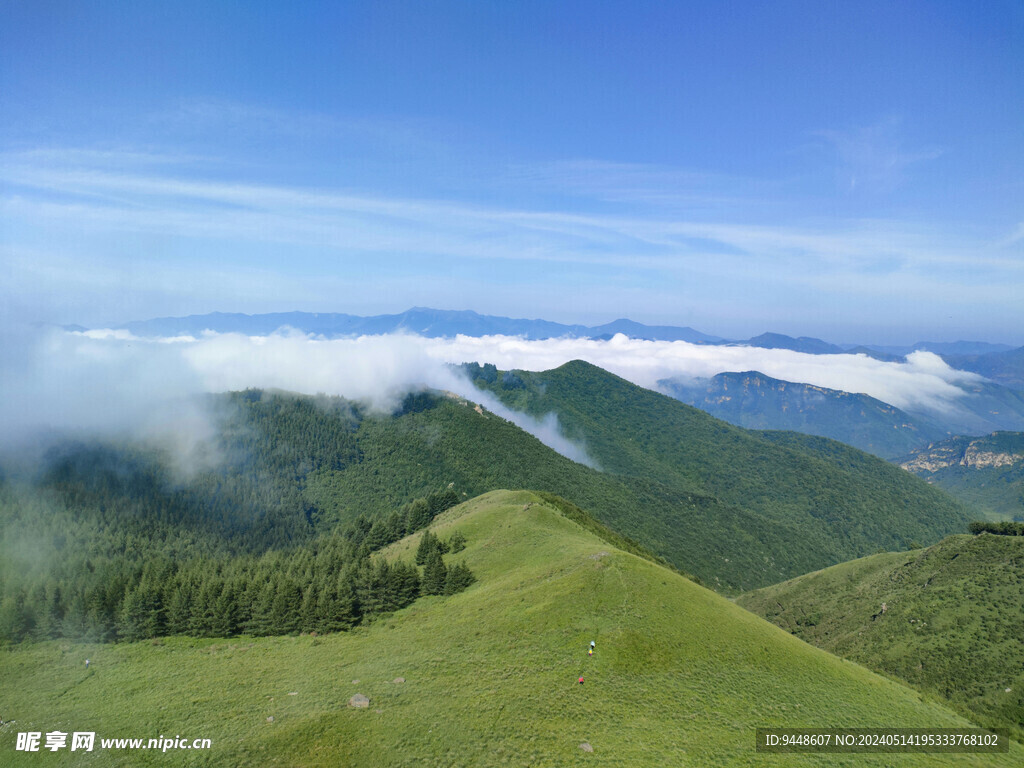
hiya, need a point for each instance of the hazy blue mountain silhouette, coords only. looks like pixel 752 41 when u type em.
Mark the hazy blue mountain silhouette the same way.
pixel 420 320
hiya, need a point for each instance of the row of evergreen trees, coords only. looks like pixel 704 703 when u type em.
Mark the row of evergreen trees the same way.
pixel 326 585
pixel 1003 528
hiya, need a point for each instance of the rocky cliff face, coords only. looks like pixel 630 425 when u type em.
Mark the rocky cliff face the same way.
pixel 1001 449
pixel 977 457
pixel 987 473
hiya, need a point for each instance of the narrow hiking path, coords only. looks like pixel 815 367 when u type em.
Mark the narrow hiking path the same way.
pixel 607 606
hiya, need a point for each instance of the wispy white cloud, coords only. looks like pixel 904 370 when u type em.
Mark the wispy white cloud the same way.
pixel 98 198
pixel 1015 238
pixel 876 157
pixel 655 187
pixel 413 136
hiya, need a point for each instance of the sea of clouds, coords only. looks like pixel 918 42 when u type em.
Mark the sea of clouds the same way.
pixel 111 383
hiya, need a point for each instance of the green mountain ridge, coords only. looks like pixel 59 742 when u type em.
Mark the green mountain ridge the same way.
pixel 948 620
pixel 487 677
pixel 835 498
pixel 737 509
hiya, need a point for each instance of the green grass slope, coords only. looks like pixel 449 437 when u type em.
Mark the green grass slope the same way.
pixel 953 623
pixel 681 675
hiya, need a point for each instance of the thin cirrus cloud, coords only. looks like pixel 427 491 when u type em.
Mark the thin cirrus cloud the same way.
pixel 875 157
pixel 95 198
pixel 349 222
pixel 711 250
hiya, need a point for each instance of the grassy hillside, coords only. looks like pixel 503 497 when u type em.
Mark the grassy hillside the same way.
pixel 985 472
pixel 681 676
pixel 755 401
pixel 952 625
pixel 838 499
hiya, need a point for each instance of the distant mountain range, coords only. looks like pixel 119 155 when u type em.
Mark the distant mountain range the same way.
pixel 748 399
pixel 419 320
pixel 443 322
pixel 806 344
pixel 1004 367
pixel 755 401
pixel 945 348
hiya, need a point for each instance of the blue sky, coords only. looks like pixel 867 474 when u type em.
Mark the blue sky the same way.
pixel 853 171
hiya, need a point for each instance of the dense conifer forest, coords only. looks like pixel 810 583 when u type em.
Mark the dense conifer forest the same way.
pixel 104 543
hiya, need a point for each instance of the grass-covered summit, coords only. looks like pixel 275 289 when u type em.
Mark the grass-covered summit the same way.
pixel 948 619
pixel 681 676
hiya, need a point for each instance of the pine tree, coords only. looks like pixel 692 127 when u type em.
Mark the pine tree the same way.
pixel 178 599
pixel 284 612
pixel 371 587
pixel 347 612
pixel 457 542
pixel 16 621
pixel 407 581
pixel 204 609
pixel 459 577
pixel 434 574
pixel 390 581
pixel 153 615
pixel 418 515
pixel 428 543
pixel 309 611
pixel 377 536
pixel 51 614
pixel 439 501
pixel 394 527
pixel 99 618
pixel 262 601
pixel 225 621
pixel 132 619
pixel 75 623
